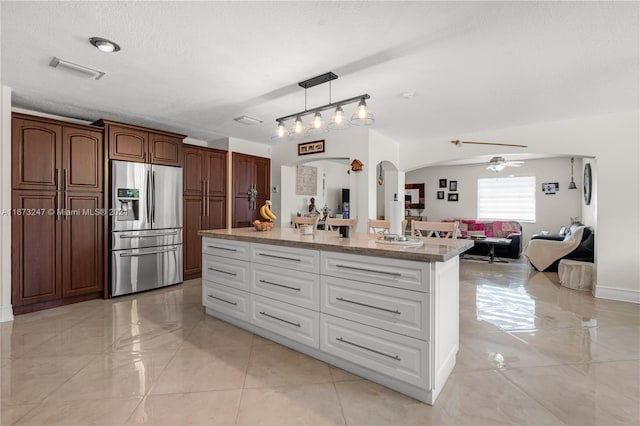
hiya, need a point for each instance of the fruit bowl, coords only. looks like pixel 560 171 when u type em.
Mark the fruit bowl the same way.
pixel 263 226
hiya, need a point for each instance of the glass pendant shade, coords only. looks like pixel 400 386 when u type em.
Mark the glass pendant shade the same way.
pixel 297 130
pixel 281 131
pixel 317 124
pixel 338 120
pixel 362 116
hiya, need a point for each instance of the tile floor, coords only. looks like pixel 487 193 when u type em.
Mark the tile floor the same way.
pixel 531 353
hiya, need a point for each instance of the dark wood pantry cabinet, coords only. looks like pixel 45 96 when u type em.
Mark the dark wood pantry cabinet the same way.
pixel 57 197
pixel 204 201
pixel 249 172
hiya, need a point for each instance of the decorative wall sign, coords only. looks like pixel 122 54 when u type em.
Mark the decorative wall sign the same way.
pixel 314 147
pixel 452 196
pixel 550 188
pixel 306 180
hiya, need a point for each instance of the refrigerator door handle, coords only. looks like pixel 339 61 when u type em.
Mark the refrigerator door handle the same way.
pixel 148 212
pixel 153 196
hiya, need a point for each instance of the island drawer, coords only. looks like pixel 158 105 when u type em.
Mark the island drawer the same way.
pixel 226 248
pixel 290 321
pixel 286 257
pixel 400 357
pixel 295 287
pixel 397 273
pixel 229 301
pixel 231 272
pixel 400 311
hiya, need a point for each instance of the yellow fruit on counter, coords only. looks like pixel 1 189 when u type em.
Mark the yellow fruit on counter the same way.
pixel 267 210
pixel 264 213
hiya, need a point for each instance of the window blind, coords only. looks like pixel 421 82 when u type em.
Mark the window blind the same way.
pixel 507 198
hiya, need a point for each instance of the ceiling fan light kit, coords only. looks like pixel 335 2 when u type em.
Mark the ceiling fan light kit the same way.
pixel 361 117
pixel 459 143
pixel 497 164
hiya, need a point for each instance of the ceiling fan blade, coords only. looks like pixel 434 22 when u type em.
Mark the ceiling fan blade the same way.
pixel 459 143
pixel 512 165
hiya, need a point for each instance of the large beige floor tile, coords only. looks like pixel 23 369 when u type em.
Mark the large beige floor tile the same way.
pixel 79 340
pixel 204 369
pixel 576 398
pixel 213 332
pixel 315 404
pixel 623 376
pixel 30 380
pixel 275 365
pixel 115 375
pixel 105 412
pixel 366 403
pixel 160 337
pixel 340 375
pixel 198 408
pixel 15 343
pixel 9 414
pixel 485 398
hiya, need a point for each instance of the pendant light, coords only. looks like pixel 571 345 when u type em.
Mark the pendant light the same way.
pixel 572 184
pixel 339 120
pixel 297 130
pixel 281 131
pixel 362 116
pixel 317 125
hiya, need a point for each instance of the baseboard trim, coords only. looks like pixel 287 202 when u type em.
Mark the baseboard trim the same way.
pixel 620 294
pixel 6 313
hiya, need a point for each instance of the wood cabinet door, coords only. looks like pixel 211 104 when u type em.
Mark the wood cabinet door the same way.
pixel 82 256
pixel 243 212
pixel 35 249
pixel 262 178
pixel 193 172
pixel 216 172
pixel 36 154
pixel 127 144
pixel 216 213
pixel 193 214
pixel 82 165
pixel 164 149
pixel 243 174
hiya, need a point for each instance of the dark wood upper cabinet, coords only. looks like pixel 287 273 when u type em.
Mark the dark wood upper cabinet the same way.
pixel 82 170
pixel 165 149
pixel 243 174
pixel 140 144
pixel 127 144
pixel 216 173
pixel 193 174
pixel 36 153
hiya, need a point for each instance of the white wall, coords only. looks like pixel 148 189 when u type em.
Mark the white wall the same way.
pixel 552 211
pixel 611 139
pixel 6 311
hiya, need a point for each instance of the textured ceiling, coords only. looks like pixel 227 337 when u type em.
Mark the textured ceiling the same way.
pixel 191 67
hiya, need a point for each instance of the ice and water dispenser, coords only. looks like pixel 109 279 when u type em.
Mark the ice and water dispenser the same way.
pixel 128 204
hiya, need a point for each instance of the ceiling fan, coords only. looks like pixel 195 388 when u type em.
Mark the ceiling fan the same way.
pixel 498 164
pixel 459 143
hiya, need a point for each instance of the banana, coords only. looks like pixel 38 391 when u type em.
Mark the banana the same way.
pixel 268 211
pixel 263 213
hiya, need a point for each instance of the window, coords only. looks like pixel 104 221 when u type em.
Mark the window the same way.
pixel 507 198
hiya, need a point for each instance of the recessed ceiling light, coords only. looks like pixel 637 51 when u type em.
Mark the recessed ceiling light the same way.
pixel 104 44
pixel 247 120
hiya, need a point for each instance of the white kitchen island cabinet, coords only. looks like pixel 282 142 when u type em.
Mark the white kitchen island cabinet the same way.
pixel 387 313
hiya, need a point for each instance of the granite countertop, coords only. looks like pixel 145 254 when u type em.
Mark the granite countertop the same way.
pixel 433 250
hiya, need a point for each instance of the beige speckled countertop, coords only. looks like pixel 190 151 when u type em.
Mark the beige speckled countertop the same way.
pixel 433 250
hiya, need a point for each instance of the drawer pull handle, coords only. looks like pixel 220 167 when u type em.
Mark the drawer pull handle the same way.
pixel 395 274
pixel 393 311
pixel 129 254
pixel 279 257
pixel 297 324
pixel 149 235
pixel 280 285
pixel 340 339
pixel 224 272
pixel 222 248
pixel 222 300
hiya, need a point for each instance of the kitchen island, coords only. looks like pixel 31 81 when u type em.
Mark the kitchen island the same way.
pixel 386 312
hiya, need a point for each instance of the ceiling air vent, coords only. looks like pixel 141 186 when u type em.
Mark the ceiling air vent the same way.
pixel 247 120
pixel 79 70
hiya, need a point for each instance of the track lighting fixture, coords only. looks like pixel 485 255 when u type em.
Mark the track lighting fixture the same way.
pixel 361 117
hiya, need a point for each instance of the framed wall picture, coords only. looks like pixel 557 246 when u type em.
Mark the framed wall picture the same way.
pixel 414 196
pixel 314 147
pixel 550 188
pixel 452 196
pixel 453 186
pixel 443 183
pixel 440 195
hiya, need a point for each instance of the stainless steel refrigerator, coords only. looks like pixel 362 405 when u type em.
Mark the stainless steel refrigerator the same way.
pixel 146 226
